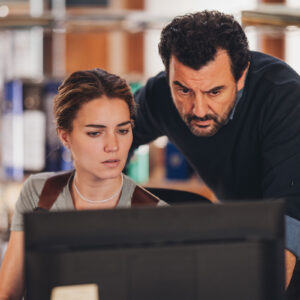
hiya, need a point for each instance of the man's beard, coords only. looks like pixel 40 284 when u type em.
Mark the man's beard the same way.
pixel 210 130
pixel 199 130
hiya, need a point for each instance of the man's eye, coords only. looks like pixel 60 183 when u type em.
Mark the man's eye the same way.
pixel 214 93
pixel 94 133
pixel 184 91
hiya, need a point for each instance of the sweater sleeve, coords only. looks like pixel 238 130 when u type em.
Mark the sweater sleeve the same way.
pixel 292 235
pixel 281 156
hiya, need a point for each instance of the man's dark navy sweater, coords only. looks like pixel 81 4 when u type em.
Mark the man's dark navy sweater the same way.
pixel 256 154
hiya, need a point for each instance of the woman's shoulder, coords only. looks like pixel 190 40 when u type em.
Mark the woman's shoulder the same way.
pixel 128 186
pixel 34 184
pixel 43 176
pixel 134 185
pixel 29 197
pixel 37 180
pixel 128 180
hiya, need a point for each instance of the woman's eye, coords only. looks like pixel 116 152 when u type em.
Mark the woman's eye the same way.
pixel 123 131
pixel 93 133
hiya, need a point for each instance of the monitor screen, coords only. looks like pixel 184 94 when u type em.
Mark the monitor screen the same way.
pixel 199 251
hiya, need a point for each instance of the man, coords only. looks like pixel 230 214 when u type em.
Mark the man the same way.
pixel 234 114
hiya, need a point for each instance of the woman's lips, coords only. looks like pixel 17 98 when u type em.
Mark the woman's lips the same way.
pixel 111 163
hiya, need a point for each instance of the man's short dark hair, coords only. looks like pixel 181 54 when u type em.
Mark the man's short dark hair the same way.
pixel 195 38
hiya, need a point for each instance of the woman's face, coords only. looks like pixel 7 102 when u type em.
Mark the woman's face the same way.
pixel 101 138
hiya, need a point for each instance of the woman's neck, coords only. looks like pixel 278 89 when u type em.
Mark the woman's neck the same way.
pixel 96 194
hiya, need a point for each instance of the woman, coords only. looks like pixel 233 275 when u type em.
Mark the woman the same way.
pixel 94 112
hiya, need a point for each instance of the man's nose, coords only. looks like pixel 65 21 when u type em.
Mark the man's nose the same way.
pixel 111 143
pixel 200 107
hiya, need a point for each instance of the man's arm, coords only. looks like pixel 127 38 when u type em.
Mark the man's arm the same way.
pixel 150 100
pixel 292 234
pixel 290 262
pixel 281 157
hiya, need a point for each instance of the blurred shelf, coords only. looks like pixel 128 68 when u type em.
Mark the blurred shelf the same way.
pixel 23 21
pixel 272 14
pixel 88 20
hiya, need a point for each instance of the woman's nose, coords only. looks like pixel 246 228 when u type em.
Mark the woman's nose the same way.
pixel 111 144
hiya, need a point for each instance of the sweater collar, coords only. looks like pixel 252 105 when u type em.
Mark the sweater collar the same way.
pixel 238 98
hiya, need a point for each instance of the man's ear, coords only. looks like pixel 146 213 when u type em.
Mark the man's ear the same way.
pixel 241 81
pixel 64 137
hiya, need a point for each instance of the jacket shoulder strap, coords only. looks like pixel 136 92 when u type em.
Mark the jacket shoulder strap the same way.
pixel 52 187
pixel 55 184
pixel 141 197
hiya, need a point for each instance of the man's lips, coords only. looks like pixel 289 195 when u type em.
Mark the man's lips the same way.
pixel 202 123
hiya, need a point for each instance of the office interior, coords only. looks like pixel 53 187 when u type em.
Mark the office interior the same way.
pixel 44 40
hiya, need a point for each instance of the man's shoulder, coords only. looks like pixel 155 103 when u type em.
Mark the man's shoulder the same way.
pixel 160 76
pixel 159 80
pixel 258 57
pixel 270 67
pixel 155 89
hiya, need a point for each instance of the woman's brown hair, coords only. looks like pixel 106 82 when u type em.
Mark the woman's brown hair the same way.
pixel 83 86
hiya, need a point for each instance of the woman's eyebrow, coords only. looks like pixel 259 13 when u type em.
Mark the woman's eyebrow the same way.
pixel 95 125
pixel 104 126
pixel 124 123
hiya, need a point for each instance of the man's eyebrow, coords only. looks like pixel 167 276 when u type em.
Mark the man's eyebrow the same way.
pixel 215 89
pixel 180 85
pixel 104 126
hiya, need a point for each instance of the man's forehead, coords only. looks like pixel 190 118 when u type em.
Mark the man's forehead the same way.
pixel 213 71
pixel 220 55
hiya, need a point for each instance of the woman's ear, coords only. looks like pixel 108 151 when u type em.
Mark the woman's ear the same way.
pixel 64 136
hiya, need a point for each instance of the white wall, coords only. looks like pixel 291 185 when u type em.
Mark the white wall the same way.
pixel 293 3
pixel 292 46
pixel 182 7
pixel 293 41
pixel 171 8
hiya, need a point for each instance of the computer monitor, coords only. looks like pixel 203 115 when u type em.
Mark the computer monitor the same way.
pixel 226 251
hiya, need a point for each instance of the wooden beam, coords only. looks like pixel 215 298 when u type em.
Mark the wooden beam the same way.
pixel 270 44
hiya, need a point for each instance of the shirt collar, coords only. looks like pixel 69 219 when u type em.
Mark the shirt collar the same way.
pixel 238 98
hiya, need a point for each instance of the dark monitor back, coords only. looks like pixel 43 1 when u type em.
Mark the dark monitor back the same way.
pixel 229 251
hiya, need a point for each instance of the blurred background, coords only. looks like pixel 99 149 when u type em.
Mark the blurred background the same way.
pixel 41 41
